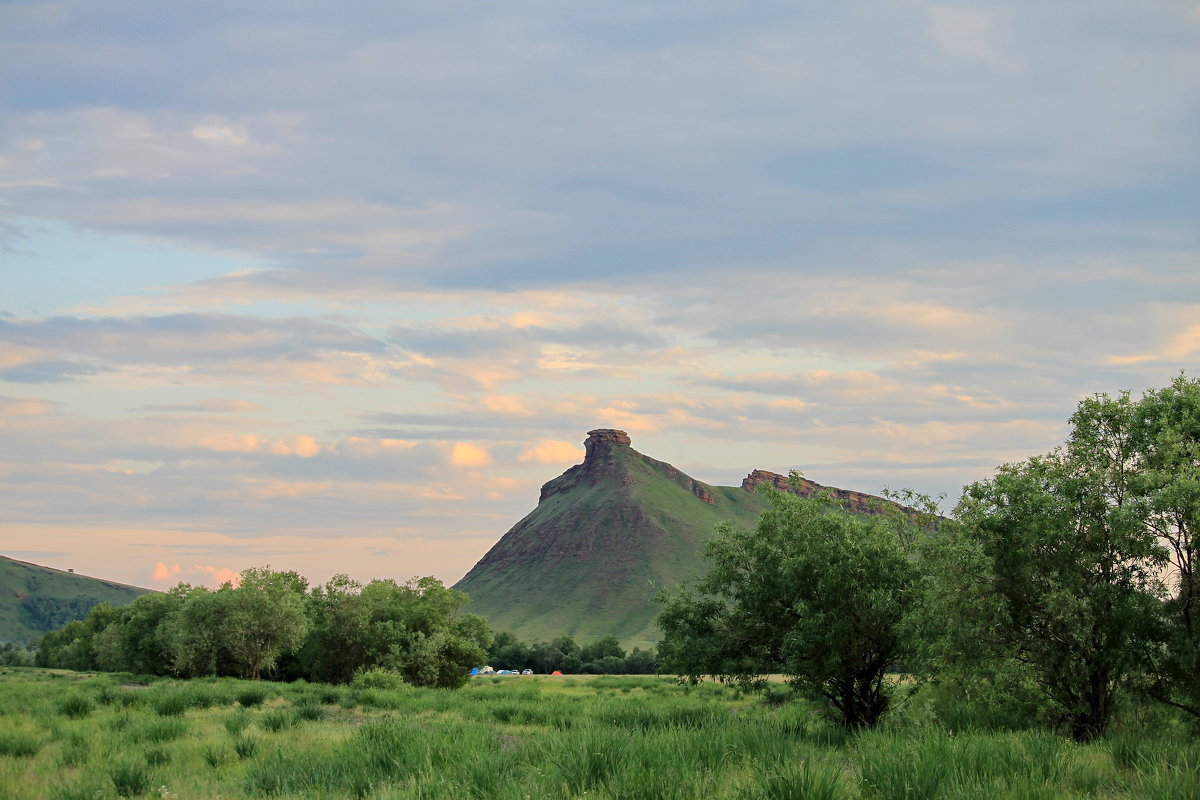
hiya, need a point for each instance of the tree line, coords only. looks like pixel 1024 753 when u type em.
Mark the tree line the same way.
pixel 1060 587
pixel 605 656
pixel 272 624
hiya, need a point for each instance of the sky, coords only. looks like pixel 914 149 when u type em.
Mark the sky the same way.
pixel 336 287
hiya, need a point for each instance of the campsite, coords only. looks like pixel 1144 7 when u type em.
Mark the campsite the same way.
pixel 73 735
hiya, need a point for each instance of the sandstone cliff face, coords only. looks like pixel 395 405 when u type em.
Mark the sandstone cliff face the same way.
pixel 853 501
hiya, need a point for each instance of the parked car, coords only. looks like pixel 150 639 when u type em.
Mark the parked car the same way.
pixel 526 672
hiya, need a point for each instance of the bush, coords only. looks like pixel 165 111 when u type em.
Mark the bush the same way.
pixel 251 696
pixel 244 746
pixel 19 744
pixel 377 678
pixel 172 704
pixel 75 706
pixel 236 723
pixel 215 756
pixel 308 710
pixel 275 721
pixel 130 778
pixel 158 730
pixel 156 755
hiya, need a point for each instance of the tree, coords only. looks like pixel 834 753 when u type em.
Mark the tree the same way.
pixel 814 592
pixel 265 619
pixel 1166 438
pixel 339 628
pixel 193 633
pixel 1065 570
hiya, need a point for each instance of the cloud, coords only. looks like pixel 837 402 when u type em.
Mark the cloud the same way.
pixel 24 407
pixel 204 407
pixel 48 372
pixel 464 454
pixel 218 575
pixel 164 575
pixel 279 268
pixel 552 452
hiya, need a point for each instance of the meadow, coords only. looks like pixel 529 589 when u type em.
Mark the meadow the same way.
pixel 75 735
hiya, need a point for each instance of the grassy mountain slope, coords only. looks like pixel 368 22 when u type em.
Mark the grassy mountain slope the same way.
pixel 605 538
pixel 35 599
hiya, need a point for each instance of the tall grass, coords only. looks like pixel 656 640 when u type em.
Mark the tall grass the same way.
pixel 599 739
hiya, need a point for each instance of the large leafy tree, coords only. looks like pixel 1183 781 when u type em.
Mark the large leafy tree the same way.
pixel 1060 571
pixel 1166 438
pixel 193 633
pixel 265 619
pixel 412 628
pixel 814 592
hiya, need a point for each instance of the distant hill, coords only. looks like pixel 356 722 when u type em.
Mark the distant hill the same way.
pixel 35 599
pixel 605 537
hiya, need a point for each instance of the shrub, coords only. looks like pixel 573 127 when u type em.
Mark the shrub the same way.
pixel 308 710
pixel 75 706
pixel 251 696
pixel 244 746
pixel 776 694
pixel 158 730
pixel 215 756
pixel 802 781
pixel 156 756
pixel 108 695
pixel 236 723
pixel 75 751
pixel 19 744
pixel 377 678
pixel 275 721
pixel 130 778
pixel 172 704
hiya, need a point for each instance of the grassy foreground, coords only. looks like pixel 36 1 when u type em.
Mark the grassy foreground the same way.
pixel 74 735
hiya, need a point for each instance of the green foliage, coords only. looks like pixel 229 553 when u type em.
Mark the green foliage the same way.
pixel 236 723
pixel 1054 566
pixel 802 781
pixel 19 743
pixel 245 746
pixel 215 756
pixel 276 721
pixel 75 706
pixel 377 678
pixel 1166 440
pixel 816 593
pixel 17 655
pixel 130 777
pixel 157 730
pixel 171 704
pixel 265 619
pixel 308 711
pixel 250 696
pixel 51 613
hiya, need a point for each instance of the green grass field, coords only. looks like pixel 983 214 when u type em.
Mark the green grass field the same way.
pixel 71 735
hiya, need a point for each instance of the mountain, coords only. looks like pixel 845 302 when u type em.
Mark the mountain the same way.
pixel 606 536
pixel 35 599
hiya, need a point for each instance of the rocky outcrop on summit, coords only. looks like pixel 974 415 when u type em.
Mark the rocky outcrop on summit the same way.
pixel 602 449
pixel 853 501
